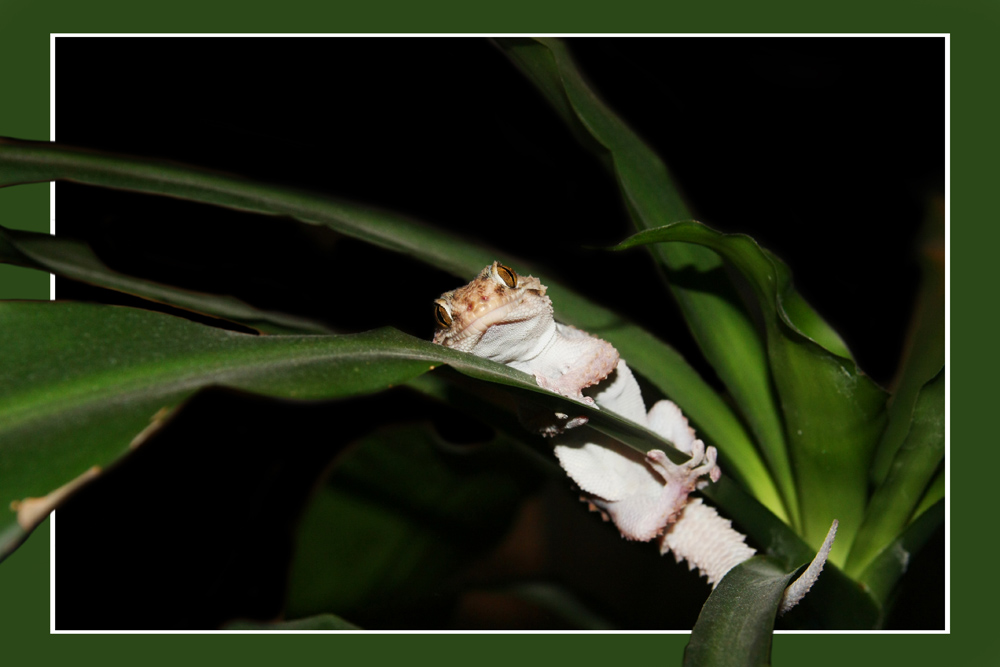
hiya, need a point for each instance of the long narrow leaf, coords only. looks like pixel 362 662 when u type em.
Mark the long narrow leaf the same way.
pixel 83 380
pixel 923 353
pixel 73 259
pixel 317 623
pixel 934 493
pixel 711 305
pixel 886 568
pixel 26 162
pixel 895 500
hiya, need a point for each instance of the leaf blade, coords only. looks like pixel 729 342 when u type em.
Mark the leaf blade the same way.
pixel 22 162
pixel 833 413
pixel 87 379
pixel 735 626
pixel 919 457
pixel 923 352
pixel 72 259
pixel 403 512
pixel 317 623
pixel 725 332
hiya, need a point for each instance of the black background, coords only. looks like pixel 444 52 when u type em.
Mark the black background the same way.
pixel 827 151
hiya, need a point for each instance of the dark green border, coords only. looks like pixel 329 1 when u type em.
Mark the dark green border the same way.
pixel 24 47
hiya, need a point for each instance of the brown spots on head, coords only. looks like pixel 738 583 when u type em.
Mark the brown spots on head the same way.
pixel 497 286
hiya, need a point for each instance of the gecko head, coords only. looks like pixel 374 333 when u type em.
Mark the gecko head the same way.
pixel 498 296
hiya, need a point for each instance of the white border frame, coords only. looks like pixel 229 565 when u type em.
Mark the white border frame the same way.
pixel 947 332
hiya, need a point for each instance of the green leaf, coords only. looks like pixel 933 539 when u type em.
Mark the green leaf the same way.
pixel 24 162
pixel 894 502
pixel 833 413
pixel 934 493
pixel 84 380
pixel 886 569
pixel 89 378
pixel 835 601
pixel 771 534
pixel 72 259
pixel 400 515
pixel 558 601
pixel 768 532
pixel 923 353
pixel 801 315
pixel 32 162
pixel 735 625
pixel 711 305
pixel 318 623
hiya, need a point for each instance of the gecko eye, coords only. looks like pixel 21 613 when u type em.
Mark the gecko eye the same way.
pixel 442 316
pixel 507 275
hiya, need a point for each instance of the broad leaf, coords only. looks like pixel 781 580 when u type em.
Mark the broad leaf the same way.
pixel 404 537
pixel 833 413
pixel 735 625
pixel 84 380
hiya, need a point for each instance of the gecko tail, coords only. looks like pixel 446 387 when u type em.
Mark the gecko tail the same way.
pixel 706 541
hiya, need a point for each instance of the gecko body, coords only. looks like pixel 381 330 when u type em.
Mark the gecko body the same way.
pixel 508 318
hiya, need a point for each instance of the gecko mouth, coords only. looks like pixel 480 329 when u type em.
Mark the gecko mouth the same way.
pixel 480 323
pixel 466 314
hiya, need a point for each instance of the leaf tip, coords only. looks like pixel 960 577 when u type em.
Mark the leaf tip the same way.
pixel 798 588
pixel 32 511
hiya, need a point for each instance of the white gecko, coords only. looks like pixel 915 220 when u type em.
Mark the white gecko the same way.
pixel 507 318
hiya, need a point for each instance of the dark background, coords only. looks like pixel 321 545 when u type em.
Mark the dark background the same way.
pixel 827 151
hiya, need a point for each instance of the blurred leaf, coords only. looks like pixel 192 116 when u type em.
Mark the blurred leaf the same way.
pixel 711 305
pixel 833 413
pixel 398 519
pixel 735 625
pixel 923 353
pixel 894 501
pixel 73 259
pixel 26 162
pixel 316 623
pixel 886 569
pixel 561 603
pixel 935 492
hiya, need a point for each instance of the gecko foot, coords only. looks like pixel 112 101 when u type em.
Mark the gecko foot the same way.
pixel 687 475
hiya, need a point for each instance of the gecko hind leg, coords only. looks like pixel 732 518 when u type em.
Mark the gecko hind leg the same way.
pixel 686 477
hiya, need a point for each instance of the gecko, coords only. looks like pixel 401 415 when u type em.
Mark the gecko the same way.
pixel 507 318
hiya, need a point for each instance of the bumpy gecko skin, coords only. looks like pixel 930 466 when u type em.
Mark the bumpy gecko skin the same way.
pixel 507 318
